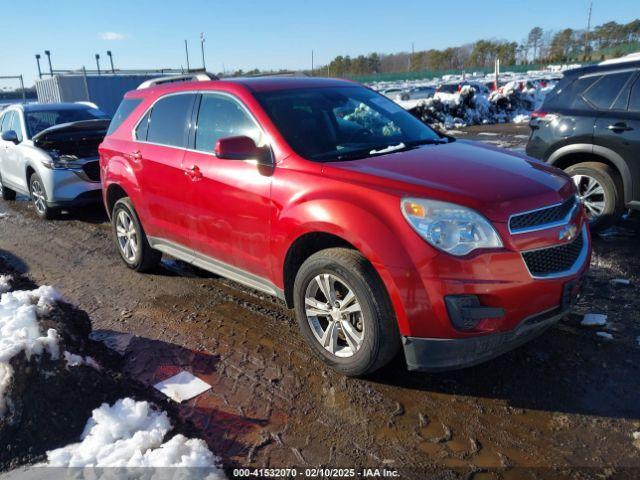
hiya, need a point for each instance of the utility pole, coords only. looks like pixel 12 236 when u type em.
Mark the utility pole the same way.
pixel 24 94
pixel 98 62
pixel 110 55
pixel 38 62
pixel 48 54
pixel 587 50
pixel 312 63
pixel 204 67
pixel 186 49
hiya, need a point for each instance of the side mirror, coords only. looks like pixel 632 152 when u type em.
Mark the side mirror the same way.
pixel 241 148
pixel 10 136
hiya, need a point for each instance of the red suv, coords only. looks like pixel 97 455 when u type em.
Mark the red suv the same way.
pixel 379 231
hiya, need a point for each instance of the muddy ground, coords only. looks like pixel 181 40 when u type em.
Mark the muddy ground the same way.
pixel 570 399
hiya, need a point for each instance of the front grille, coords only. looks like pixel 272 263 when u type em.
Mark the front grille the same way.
pixel 92 171
pixel 541 217
pixel 554 260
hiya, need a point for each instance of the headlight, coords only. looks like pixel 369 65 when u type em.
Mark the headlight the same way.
pixel 449 227
pixel 62 162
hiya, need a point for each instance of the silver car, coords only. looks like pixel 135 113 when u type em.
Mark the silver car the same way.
pixel 50 153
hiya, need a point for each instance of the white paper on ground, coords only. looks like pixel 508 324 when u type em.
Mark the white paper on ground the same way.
pixel 621 281
pixel 183 386
pixel 605 335
pixel 592 319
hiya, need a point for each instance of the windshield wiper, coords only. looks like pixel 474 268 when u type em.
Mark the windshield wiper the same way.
pixel 384 149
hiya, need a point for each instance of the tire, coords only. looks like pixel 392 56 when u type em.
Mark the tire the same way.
pixel 374 324
pixel 139 256
pixel 609 194
pixel 7 194
pixel 38 197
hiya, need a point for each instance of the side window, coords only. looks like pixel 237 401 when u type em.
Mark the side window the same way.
pixel 602 93
pixel 143 127
pixel 566 94
pixel 634 98
pixel 6 121
pixel 16 126
pixel 127 106
pixel 169 120
pixel 219 117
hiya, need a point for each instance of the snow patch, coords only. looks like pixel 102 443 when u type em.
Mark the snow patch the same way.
pixel 594 319
pixel 130 434
pixel 5 283
pixel 605 335
pixel 73 360
pixel 20 332
pixel 621 281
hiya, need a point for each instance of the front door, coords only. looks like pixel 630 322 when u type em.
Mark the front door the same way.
pixel 230 200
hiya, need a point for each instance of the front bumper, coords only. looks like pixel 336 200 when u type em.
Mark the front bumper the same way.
pixel 70 188
pixel 441 354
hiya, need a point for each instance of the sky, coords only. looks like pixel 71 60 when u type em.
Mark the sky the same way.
pixel 271 34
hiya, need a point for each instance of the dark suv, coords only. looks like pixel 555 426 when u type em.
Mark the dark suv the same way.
pixel 589 125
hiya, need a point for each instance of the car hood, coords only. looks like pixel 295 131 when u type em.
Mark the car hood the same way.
pixel 76 138
pixel 98 126
pixel 493 181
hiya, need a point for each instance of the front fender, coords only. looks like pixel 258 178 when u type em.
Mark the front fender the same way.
pixel 385 242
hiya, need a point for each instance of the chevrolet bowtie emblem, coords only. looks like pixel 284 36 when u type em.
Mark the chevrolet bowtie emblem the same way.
pixel 568 233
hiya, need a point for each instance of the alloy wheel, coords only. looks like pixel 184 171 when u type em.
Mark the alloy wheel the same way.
pixel 591 194
pixel 128 238
pixel 334 315
pixel 38 197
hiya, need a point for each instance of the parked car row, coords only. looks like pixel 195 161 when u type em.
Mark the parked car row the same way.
pixel 380 233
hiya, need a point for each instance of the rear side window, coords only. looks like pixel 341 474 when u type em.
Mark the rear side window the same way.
pixel 567 94
pixel 603 93
pixel 169 120
pixel 634 98
pixel 127 106
pixel 220 117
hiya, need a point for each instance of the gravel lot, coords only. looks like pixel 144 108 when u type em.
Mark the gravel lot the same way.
pixel 569 399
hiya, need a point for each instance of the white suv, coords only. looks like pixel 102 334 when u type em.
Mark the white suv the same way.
pixel 50 153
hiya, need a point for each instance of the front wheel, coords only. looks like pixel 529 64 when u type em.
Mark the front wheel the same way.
pixel 131 241
pixel 600 190
pixel 344 312
pixel 39 198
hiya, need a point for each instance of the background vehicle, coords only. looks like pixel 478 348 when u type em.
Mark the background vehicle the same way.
pixel 457 86
pixel 589 125
pixel 335 199
pixel 50 152
pixel 417 93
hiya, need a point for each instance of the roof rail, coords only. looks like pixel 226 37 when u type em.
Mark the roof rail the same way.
pixel 193 77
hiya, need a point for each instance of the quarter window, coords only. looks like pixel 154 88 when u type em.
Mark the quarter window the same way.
pixel 220 117
pixel 602 93
pixel 169 120
pixel 127 106
pixel 143 127
pixel 6 122
pixel 634 98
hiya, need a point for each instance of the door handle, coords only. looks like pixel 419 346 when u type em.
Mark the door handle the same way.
pixel 620 127
pixel 135 156
pixel 193 173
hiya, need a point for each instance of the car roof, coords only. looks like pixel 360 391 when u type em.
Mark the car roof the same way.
pixel 254 84
pixel 610 67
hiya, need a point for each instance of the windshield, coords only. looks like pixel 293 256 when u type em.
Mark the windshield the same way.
pixel 340 123
pixel 39 120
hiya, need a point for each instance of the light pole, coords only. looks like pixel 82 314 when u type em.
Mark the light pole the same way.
pixel 98 62
pixel 186 49
pixel 204 67
pixel 48 54
pixel 113 70
pixel 38 62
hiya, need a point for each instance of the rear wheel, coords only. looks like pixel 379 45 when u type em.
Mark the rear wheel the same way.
pixel 39 198
pixel 600 190
pixel 344 312
pixel 131 241
pixel 7 193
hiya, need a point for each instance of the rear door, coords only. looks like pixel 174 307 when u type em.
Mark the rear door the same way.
pixel 161 139
pixel 618 124
pixel 230 200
